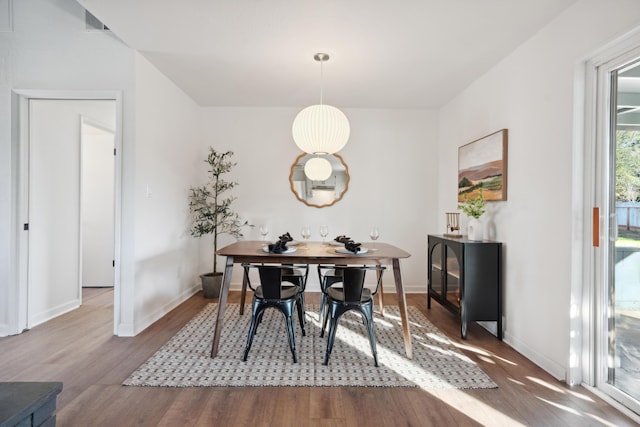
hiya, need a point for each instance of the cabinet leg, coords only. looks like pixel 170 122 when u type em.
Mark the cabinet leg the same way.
pixel 463 322
pixel 428 301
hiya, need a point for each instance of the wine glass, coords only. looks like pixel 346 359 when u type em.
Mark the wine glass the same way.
pixel 374 234
pixel 324 232
pixel 264 230
pixel 306 233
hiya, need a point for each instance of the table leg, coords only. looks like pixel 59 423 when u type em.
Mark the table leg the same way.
pixel 380 293
pixel 402 305
pixel 243 295
pixel 222 305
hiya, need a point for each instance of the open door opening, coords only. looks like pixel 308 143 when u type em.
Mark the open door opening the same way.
pixel 68 202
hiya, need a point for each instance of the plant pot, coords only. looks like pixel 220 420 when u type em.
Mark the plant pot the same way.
pixel 211 284
pixel 475 230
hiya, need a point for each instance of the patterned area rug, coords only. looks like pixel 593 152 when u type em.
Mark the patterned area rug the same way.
pixel 184 361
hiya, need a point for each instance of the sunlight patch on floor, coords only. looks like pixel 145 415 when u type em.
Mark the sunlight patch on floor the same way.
pixel 487 359
pixel 513 380
pixel 580 395
pixel 601 420
pixel 546 384
pixel 559 406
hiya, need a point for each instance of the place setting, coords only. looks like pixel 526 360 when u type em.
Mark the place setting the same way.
pixel 346 245
pixel 343 244
pixel 284 245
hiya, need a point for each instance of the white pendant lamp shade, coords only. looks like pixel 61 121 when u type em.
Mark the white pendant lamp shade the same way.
pixel 321 129
pixel 317 169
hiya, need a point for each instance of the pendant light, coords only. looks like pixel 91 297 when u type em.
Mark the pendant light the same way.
pixel 318 169
pixel 321 128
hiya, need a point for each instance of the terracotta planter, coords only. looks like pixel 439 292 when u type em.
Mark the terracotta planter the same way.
pixel 211 284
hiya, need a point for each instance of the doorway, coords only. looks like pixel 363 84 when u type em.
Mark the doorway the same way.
pixel 56 130
pixel 97 144
pixel 616 289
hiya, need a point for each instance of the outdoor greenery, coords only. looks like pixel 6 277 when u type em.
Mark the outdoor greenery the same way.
pixel 628 238
pixel 210 211
pixel 627 166
pixel 473 207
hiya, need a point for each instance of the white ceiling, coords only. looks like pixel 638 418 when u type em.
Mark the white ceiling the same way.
pixel 384 54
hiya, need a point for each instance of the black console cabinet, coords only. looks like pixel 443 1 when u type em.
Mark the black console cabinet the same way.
pixel 465 276
pixel 25 404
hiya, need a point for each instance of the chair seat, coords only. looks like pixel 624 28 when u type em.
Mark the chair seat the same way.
pixel 287 292
pixel 338 294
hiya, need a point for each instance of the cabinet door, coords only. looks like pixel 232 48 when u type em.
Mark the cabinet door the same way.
pixel 436 269
pixel 452 290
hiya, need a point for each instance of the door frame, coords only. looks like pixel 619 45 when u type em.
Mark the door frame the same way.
pixel 18 287
pixel 591 231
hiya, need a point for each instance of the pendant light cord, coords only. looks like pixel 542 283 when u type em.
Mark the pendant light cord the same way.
pixel 321 80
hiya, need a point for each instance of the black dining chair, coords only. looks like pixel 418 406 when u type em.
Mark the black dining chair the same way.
pixel 353 295
pixel 274 291
pixel 295 274
pixel 327 276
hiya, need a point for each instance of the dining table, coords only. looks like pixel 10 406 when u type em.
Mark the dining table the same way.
pixel 255 251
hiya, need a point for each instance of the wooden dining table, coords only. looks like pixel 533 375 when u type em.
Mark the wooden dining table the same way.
pixel 252 251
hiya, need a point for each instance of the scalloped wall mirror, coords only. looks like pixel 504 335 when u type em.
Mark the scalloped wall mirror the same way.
pixel 319 194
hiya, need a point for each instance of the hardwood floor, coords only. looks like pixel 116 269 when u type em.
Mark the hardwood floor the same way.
pixel 80 350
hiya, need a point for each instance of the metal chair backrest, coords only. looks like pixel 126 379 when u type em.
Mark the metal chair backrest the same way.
pixel 271 282
pixel 353 283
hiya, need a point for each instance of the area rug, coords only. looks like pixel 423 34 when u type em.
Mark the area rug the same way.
pixel 184 361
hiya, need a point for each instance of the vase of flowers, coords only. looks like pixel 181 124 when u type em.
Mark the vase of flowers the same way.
pixel 474 208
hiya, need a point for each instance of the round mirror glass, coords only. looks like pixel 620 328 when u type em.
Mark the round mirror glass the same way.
pixel 319 193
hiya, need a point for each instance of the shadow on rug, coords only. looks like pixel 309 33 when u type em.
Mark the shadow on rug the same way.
pixel 184 361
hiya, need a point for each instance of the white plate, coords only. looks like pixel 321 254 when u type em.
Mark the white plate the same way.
pixel 288 251
pixel 345 251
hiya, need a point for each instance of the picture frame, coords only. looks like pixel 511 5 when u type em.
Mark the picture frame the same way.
pixel 482 164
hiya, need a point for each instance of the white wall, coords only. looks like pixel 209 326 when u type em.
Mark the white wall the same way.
pixel 531 93
pixel 49 49
pixel 392 161
pixel 167 148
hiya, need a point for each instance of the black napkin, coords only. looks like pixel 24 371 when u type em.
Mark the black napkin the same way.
pixel 352 246
pixel 286 237
pixel 278 247
pixel 343 239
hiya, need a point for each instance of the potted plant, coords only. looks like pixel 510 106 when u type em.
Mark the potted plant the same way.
pixel 474 208
pixel 211 213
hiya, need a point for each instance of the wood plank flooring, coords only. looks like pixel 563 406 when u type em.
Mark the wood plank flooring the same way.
pixel 80 350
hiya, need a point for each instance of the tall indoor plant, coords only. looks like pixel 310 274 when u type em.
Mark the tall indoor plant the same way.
pixel 474 208
pixel 211 213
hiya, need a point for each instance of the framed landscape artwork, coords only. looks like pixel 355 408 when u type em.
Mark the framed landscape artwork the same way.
pixel 482 164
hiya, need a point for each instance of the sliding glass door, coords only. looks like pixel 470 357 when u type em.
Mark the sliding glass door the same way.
pixel 619 302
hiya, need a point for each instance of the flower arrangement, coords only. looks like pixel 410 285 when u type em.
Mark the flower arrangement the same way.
pixel 473 207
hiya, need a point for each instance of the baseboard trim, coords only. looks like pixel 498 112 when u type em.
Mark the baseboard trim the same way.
pixel 148 320
pixel 54 312
pixel 557 371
